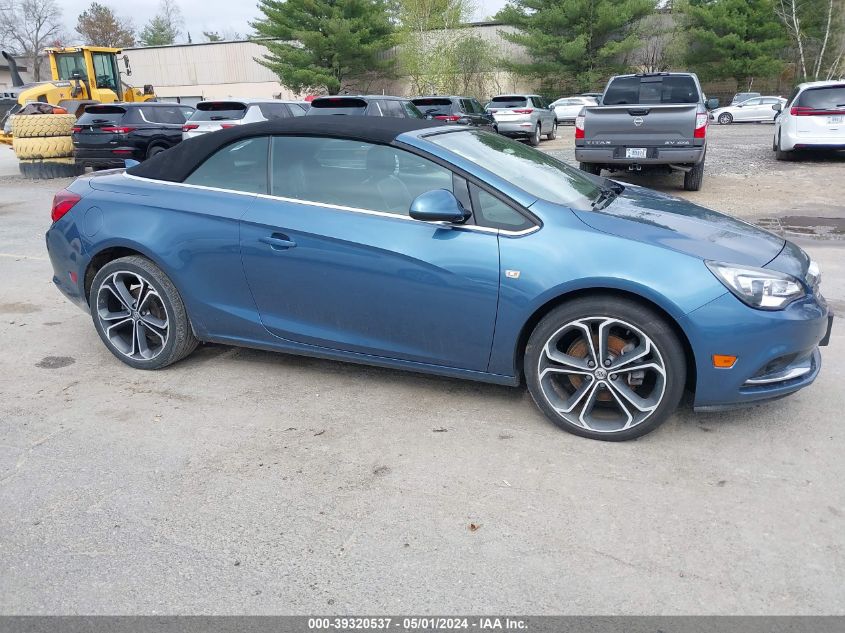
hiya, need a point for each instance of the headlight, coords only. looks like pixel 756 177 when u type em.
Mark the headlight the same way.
pixel 758 287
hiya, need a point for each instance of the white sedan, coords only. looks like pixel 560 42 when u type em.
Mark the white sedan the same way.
pixel 757 109
pixel 815 120
pixel 567 108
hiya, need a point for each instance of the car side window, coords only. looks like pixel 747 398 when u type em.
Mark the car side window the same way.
pixel 162 114
pixel 476 106
pixel 240 166
pixel 375 108
pixel 753 102
pixel 348 173
pixel 466 106
pixel 492 212
pixel 273 111
pixel 296 109
pixel 393 109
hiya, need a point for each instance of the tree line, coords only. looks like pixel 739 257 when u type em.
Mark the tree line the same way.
pixel 332 46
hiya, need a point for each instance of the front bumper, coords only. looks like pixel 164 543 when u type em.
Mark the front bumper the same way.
pixel 777 351
pixel 615 155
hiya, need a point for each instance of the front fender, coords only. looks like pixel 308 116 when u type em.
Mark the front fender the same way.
pixel 587 260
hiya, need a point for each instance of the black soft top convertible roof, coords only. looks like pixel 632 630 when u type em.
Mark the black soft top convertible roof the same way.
pixel 178 163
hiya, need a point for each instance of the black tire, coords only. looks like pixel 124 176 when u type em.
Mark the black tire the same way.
pixel 694 177
pixel 155 149
pixel 662 336
pixel 534 139
pixel 180 339
pixel 590 168
pixel 47 170
pixel 781 154
pixel 726 118
pixel 552 135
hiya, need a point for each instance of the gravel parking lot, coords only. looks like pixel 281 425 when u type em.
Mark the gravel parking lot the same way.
pixel 240 481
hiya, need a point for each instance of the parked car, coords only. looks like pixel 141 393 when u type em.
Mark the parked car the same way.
pixel 457 110
pixel 652 121
pixel 106 135
pixel 756 109
pixel 365 105
pixel 739 97
pixel 593 95
pixel 813 118
pixel 211 116
pixel 440 249
pixel 567 108
pixel 523 116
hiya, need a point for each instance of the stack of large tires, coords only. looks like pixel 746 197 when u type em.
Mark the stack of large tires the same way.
pixel 43 145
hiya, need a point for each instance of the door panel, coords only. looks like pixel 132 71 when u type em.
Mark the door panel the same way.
pixel 372 284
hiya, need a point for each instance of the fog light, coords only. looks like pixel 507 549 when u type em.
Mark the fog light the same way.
pixel 723 361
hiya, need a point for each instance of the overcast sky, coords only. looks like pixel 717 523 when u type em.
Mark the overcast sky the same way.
pixel 204 15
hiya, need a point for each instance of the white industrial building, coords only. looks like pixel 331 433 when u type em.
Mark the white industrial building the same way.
pixel 218 70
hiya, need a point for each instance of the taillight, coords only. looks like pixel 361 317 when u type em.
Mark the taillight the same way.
pixel 807 111
pixel 449 117
pixel 63 202
pixel 524 111
pixel 579 126
pixel 189 126
pixel 700 125
pixel 76 128
pixel 227 125
pixel 120 129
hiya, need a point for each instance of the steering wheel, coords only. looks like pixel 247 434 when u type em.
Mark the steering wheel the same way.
pixel 105 81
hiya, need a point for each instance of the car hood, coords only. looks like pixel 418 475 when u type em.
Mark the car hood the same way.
pixel 652 217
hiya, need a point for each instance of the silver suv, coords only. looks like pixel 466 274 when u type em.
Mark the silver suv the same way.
pixel 214 115
pixel 523 116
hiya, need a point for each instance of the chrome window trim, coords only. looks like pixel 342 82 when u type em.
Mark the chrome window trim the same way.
pixel 337 207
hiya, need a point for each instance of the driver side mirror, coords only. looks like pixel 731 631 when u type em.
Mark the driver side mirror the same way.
pixel 126 65
pixel 712 104
pixel 438 205
pixel 777 107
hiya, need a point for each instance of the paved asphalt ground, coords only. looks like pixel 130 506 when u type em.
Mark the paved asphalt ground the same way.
pixel 240 481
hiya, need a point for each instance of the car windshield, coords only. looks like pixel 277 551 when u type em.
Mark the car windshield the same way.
pixel 434 106
pixel 827 98
pixel 651 89
pixel 509 102
pixel 338 105
pixel 100 115
pixel 532 171
pixel 219 111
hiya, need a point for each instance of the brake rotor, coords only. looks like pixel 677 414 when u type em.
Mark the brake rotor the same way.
pixel 579 349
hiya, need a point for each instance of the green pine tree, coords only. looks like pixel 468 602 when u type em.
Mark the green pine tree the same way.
pixel 733 39
pixel 324 44
pixel 574 44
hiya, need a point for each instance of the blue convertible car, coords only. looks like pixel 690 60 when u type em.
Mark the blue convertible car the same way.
pixel 440 249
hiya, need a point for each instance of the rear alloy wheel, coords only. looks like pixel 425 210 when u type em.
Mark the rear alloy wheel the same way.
pixel 534 139
pixel 726 118
pixel 605 368
pixel 552 135
pixel 139 314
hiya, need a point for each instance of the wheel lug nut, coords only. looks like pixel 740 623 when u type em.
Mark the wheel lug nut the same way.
pixel 590 364
pixel 613 376
pixel 607 363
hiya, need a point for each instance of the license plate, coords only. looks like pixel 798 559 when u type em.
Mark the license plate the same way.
pixel 834 120
pixel 635 152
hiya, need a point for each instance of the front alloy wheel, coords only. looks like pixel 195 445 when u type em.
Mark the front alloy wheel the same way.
pixel 613 370
pixel 725 118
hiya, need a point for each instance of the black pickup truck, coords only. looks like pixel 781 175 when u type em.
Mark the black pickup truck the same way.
pixel 646 121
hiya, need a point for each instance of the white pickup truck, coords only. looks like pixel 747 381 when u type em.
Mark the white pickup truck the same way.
pixel 647 121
